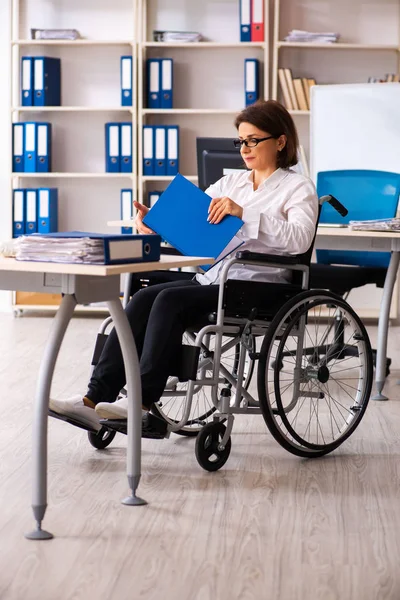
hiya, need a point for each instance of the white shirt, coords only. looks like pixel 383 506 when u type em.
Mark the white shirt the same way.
pixel 279 218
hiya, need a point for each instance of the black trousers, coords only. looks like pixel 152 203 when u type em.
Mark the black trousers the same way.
pixel 158 316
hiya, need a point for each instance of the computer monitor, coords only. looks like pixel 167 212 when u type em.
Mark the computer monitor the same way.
pixel 214 156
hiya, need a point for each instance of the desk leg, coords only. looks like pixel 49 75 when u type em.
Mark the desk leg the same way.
pixel 127 289
pixel 383 325
pixel 132 371
pixel 40 416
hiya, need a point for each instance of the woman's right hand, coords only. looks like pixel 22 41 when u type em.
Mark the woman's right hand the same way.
pixel 141 212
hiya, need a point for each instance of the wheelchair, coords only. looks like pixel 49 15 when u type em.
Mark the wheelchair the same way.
pixel 310 395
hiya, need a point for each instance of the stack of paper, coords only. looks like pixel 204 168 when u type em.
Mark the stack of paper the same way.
pixel 376 225
pixel 182 37
pixel 297 35
pixel 55 34
pixel 61 250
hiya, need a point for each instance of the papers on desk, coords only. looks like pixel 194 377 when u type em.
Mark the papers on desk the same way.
pixel 376 225
pixel 88 248
pixel 298 35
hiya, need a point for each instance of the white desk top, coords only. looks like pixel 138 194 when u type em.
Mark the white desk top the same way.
pixel 165 262
pixel 347 232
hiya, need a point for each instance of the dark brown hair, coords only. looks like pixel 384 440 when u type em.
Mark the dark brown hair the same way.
pixel 273 118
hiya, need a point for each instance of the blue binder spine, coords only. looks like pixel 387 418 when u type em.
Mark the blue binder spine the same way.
pixel 113 159
pixel 126 147
pixel 126 209
pixel 166 77
pixel 251 80
pixel 160 150
pixel 18 143
pixel 31 211
pixel 148 150
pixel 27 81
pixel 30 147
pixel 18 212
pixel 152 198
pixel 172 149
pixel 47 208
pixel 245 20
pixel 126 80
pixel 47 81
pixel 153 83
pixel 43 163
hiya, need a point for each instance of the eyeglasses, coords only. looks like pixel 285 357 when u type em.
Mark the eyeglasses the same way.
pixel 252 142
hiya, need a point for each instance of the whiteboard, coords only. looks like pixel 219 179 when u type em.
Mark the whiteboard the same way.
pixel 355 126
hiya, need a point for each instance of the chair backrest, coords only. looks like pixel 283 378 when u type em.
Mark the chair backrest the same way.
pixel 367 195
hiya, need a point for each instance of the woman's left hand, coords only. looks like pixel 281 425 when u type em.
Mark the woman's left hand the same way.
pixel 220 207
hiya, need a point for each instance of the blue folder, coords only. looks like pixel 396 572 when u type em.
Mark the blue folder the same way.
pixel 180 218
pixel 47 81
pixel 27 81
pixel 47 210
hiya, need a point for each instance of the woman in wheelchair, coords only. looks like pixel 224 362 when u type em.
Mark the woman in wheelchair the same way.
pixel 279 208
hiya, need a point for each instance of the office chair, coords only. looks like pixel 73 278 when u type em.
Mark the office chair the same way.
pixel 367 195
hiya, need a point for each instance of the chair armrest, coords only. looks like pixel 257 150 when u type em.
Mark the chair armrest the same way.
pixel 295 259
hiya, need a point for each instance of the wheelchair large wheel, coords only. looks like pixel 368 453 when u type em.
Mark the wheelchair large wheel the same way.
pixel 171 407
pixel 312 399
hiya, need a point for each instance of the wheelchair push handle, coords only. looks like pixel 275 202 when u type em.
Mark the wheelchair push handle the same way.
pixel 334 202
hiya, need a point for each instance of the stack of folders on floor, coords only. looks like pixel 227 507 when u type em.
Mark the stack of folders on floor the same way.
pixel 376 225
pixel 295 92
pixel 80 247
pixel 298 35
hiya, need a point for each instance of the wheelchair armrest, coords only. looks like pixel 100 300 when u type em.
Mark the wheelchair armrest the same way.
pixel 295 259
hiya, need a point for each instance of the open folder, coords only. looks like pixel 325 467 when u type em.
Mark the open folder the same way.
pixel 180 217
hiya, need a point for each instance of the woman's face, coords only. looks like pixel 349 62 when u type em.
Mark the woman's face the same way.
pixel 264 155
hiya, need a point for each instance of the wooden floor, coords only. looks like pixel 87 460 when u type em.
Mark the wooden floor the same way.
pixel 267 526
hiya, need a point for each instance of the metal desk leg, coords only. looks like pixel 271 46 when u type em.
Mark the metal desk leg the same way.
pixel 127 289
pixel 132 371
pixel 41 408
pixel 383 325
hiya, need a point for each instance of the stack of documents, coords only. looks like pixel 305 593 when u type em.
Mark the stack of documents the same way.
pixel 80 247
pixel 55 34
pixel 297 35
pixel 376 225
pixel 182 37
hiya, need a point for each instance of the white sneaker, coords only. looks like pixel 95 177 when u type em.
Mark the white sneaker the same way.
pixel 76 409
pixel 113 410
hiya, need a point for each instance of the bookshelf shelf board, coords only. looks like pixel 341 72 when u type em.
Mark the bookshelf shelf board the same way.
pixel 204 45
pixel 72 108
pixel 337 46
pixel 75 175
pixel 189 111
pixel 300 112
pixel 79 42
pixel 166 177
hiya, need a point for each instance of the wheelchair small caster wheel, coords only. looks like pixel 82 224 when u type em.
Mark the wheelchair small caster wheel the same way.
pixel 102 438
pixel 208 452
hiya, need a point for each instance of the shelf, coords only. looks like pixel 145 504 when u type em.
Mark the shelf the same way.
pixel 72 108
pixel 337 46
pixel 190 111
pixel 79 42
pixel 166 177
pixel 204 45
pixel 300 112
pixel 75 175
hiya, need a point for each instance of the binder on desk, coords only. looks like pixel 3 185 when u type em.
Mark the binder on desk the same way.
pixel 126 209
pixel 251 80
pixel 112 131
pixel 148 150
pixel 180 217
pixel 245 20
pixel 160 148
pixel 172 149
pixel 257 20
pixel 18 212
pixel 153 196
pixel 166 77
pixel 30 211
pixel 27 81
pixel 153 83
pixel 30 147
pixel 47 81
pixel 47 209
pixel 126 80
pixel 126 147
pixel 18 135
pixel 43 136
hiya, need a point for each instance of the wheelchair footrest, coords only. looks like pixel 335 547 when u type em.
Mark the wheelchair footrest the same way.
pixel 71 421
pixel 153 427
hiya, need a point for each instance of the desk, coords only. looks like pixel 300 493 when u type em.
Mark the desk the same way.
pixel 341 238
pixel 82 284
